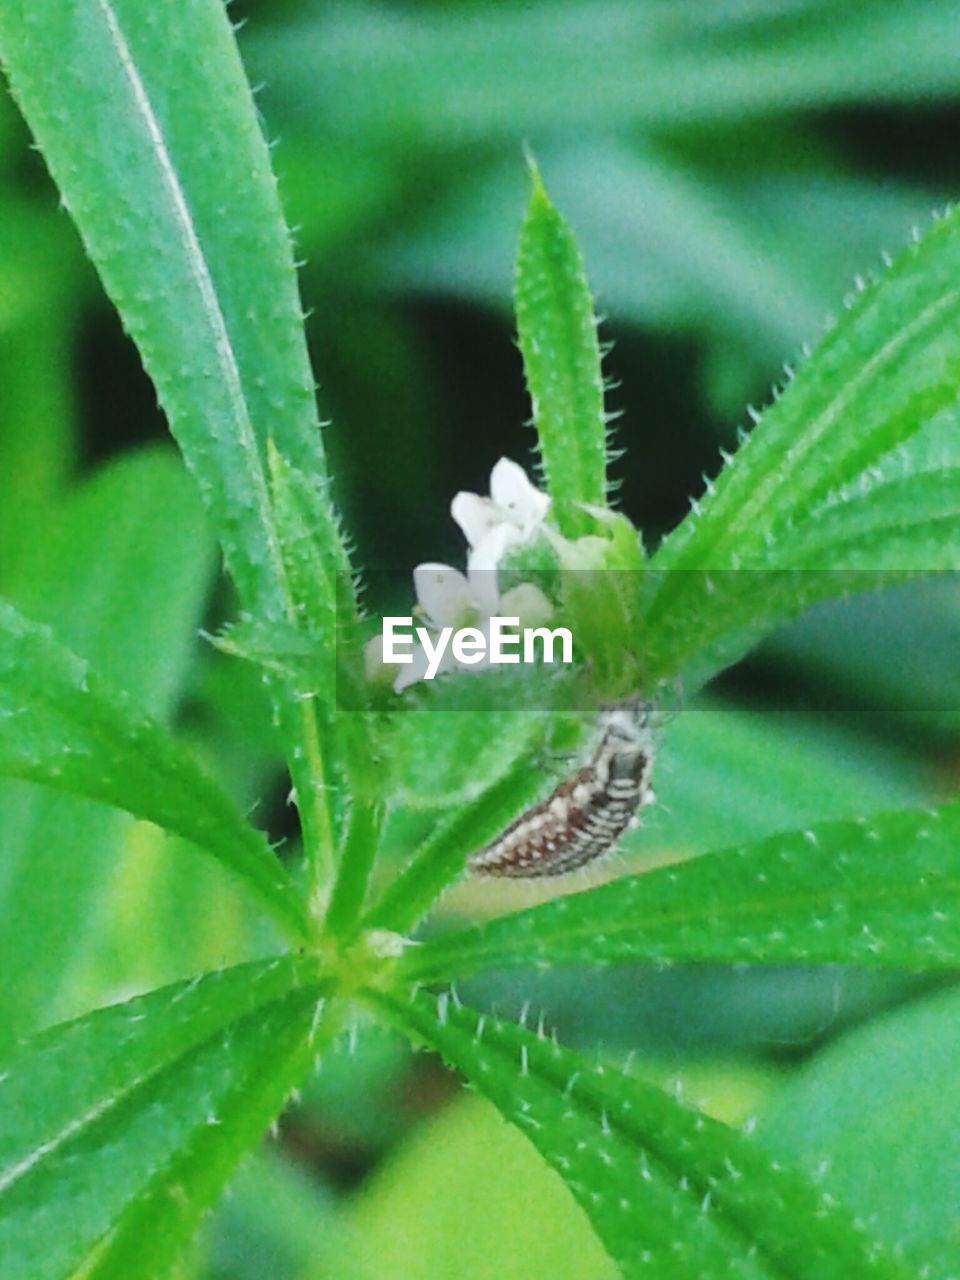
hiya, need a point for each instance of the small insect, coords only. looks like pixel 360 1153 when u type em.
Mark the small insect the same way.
pixel 584 817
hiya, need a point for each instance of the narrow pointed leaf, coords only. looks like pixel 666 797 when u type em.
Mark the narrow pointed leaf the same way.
pixel 729 611
pixel 339 767
pixel 901 525
pixel 151 134
pixel 61 725
pixel 442 857
pixel 672 1194
pixel 884 372
pixel 875 892
pixel 307 549
pixel 561 358
pixel 160 160
pixel 117 1130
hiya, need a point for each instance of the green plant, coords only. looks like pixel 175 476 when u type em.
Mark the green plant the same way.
pixel 123 1126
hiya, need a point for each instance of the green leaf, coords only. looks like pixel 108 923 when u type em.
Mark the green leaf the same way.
pixel 359 854
pixel 153 141
pixel 118 1130
pixel 122 574
pixel 442 857
pixel 162 914
pixel 871 892
pixel 339 766
pixel 443 760
pixel 443 757
pixel 722 241
pixel 669 1192
pixel 320 575
pixel 734 610
pixel 61 725
pixel 904 525
pixel 561 358
pixel 883 373
pixel 875 1114
pixel 158 155
pixel 312 556
pixel 728 776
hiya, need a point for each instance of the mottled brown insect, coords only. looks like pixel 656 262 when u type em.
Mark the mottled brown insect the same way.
pixel 584 817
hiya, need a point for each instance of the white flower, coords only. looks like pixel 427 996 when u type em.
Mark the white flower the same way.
pixel 511 515
pixel 448 598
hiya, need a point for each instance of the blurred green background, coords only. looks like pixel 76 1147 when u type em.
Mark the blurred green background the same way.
pixel 729 167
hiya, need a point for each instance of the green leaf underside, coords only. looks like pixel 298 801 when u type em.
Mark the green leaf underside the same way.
pixel 134 1116
pixel 561 359
pixel 890 364
pixel 670 1193
pixel 873 892
pixel 60 725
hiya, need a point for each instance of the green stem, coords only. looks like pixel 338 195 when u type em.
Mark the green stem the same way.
pixel 360 848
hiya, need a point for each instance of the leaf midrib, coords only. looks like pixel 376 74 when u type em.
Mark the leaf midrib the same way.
pixel 591 1098
pixel 233 382
pixel 11 1175
pixel 202 276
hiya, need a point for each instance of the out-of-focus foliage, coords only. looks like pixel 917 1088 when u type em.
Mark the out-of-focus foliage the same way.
pixel 896 1131
pixel 728 168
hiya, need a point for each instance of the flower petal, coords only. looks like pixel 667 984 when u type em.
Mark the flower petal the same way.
pixel 475 667
pixel 476 516
pixel 413 671
pixel 417 669
pixel 520 500
pixel 485 557
pixel 443 594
